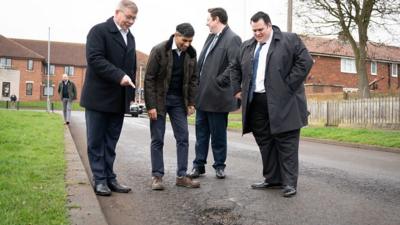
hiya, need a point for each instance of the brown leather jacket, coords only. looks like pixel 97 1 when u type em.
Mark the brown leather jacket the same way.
pixel 158 76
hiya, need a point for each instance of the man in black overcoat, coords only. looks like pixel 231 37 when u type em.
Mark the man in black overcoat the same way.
pixel 268 78
pixel 107 92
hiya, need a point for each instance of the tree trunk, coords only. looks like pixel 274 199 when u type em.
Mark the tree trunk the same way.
pixel 363 84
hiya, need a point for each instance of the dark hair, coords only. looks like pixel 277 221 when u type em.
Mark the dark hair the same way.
pixel 220 13
pixel 261 15
pixel 185 29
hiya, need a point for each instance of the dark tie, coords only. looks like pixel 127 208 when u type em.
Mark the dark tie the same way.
pixel 254 75
pixel 211 46
pixel 214 41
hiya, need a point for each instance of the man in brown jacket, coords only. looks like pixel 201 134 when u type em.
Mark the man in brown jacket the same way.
pixel 169 87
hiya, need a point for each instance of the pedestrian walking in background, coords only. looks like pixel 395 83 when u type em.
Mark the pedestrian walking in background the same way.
pixel 13 101
pixel 169 88
pixel 269 79
pixel 67 93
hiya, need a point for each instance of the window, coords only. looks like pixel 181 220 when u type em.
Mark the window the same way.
pixel 5 90
pixel 29 89
pixel 52 69
pixel 69 70
pixel 29 65
pixel 348 66
pixel 394 70
pixel 48 91
pixel 5 63
pixel 374 68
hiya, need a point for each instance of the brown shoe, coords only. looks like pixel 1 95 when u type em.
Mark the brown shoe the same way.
pixel 157 184
pixel 187 182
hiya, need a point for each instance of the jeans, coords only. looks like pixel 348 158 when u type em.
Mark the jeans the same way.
pixel 67 104
pixel 212 124
pixel 176 110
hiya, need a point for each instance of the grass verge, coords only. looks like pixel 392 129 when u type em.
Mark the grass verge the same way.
pixel 381 138
pixel 32 168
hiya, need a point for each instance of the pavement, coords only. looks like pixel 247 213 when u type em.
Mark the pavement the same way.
pixel 84 206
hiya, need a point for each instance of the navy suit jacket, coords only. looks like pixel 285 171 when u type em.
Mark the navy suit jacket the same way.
pixel 108 60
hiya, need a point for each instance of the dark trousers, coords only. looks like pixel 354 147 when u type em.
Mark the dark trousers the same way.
pixel 212 124
pixel 279 152
pixel 103 131
pixel 175 108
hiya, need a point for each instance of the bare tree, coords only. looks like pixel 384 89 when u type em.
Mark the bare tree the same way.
pixel 351 20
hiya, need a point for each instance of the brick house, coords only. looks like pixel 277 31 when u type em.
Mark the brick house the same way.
pixel 334 67
pixel 23 67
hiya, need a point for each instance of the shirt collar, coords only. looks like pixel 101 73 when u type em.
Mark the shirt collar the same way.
pixel 174 47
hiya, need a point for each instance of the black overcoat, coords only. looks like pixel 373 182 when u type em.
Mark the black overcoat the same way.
pixel 215 92
pixel 108 60
pixel 288 63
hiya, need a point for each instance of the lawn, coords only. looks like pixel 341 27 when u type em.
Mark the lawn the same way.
pixel 382 138
pixel 32 168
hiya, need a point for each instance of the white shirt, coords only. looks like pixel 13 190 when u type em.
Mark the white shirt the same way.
pixel 174 47
pixel 262 60
pixel 123 32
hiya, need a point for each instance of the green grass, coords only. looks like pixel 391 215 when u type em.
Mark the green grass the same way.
pixel 382 138
pixel 32 168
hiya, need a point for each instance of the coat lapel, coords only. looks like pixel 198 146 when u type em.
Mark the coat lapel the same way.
pixel 119 39
pixel 116 34
pixel 131 42
pixel 204 50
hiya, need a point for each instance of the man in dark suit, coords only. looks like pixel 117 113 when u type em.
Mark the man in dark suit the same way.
pixel 214 99
pixel 107 92
pixel 268 78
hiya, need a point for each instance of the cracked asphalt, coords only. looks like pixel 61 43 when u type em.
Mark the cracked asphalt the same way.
pixel 337 185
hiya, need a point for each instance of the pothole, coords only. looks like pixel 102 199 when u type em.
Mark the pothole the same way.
pixel 219 214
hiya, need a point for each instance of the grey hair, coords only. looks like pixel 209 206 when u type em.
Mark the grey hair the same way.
pixel 127 4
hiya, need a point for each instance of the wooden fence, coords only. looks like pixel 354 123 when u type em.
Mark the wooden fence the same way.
pixel 381 112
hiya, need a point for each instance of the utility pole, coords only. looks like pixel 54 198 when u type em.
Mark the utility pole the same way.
pixel 140 84
pixel 289 15
pixel 48 74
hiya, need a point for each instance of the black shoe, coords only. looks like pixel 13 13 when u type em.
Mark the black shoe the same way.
pixel 265 185
pixel 219 172
pixel 116 187
pixel 289 191
pixel 102 189
pixel 196 172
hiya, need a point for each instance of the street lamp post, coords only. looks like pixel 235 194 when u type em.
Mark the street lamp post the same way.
pixel 48 74
pixel 140 83
pixel 289 15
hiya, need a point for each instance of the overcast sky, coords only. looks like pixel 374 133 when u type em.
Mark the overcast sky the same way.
pixel 70 20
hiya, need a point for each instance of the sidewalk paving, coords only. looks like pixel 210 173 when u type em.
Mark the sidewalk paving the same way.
pixel 83 206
